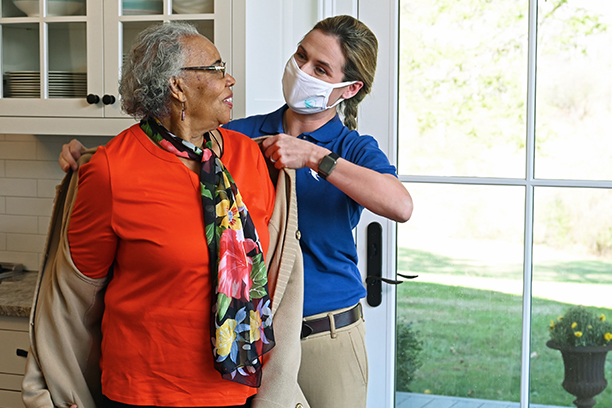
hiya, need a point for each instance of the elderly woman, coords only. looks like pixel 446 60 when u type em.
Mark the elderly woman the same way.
pixel 171 217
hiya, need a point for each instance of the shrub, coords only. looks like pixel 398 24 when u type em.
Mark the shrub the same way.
pixel 408 347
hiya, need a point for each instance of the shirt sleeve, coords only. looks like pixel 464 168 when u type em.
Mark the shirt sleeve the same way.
pixel 364 151
pixel 92 241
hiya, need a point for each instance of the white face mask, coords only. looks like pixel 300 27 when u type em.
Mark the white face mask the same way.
pixel 306 94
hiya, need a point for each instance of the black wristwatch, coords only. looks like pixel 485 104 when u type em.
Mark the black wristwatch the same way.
pixel 327 165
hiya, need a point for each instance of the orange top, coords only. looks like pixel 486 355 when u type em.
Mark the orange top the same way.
pixel 138 208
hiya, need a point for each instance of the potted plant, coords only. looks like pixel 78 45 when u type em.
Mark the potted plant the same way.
pixel 584 339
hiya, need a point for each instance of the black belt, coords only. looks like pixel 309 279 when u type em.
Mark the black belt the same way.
pixel 323 324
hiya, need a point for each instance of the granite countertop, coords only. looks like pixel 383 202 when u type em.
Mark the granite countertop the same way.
pixel 16 296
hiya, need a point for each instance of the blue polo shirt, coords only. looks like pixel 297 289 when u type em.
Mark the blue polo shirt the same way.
pixel 326 216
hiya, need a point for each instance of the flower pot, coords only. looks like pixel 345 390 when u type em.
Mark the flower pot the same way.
pixel 584 371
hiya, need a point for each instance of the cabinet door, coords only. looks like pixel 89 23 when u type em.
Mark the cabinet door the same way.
pixel 14 340
pixel 10 399
pixel 54 55
pixel 123 20
pixel 12 361
pixel 50 55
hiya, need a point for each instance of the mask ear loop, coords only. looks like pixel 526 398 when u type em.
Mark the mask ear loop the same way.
pixel 183 111
pixel 340 85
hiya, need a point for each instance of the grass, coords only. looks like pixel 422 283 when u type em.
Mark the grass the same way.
pixel 472 344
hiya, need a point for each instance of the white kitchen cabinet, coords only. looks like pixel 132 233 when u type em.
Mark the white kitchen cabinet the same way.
pixel 14 342
pixel 81 54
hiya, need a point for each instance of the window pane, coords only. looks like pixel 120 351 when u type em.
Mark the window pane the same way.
pixel 572 264
pixel 462 87
pixel 574 97
pixel 192 6
pixel 67 60
pixel 466 245
pixel 21 60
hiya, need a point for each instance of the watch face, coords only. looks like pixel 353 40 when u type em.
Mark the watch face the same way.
pixel 326 165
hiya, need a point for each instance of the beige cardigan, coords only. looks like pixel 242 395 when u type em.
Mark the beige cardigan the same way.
pixel 62 368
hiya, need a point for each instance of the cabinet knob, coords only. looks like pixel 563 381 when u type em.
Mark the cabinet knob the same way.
pixel 108 99
pixel 93 99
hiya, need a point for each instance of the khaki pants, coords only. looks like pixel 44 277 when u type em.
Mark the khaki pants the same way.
pixel 334 368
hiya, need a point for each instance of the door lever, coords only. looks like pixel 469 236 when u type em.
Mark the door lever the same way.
pixel 374 277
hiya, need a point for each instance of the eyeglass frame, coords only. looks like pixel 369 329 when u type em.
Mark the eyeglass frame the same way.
pixel 221 68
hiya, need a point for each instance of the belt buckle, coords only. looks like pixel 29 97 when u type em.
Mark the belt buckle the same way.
pixel 306 330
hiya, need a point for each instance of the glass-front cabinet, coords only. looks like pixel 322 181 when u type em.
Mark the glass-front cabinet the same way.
pixel 61 59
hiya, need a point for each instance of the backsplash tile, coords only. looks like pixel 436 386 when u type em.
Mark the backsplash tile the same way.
pixel 18 224
pixel 18 187
pixel 17 150
pixel 33 169
pixel 24 242
pixel 46 188
pixel 28 206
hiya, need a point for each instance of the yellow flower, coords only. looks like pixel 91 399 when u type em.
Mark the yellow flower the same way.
pixel 230 218
pixel 602 317
pixel 427 392
pixel 255 325
pixel 608 336
pixel 226 337
pixel 589 327
pixel 574 325
pixel 578 334
pixel 560 318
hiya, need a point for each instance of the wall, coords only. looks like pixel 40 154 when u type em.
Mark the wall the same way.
pixel 29 173
pixel 273 30
pixel 287 23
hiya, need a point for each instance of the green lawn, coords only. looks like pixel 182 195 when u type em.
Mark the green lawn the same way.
pixel 472 344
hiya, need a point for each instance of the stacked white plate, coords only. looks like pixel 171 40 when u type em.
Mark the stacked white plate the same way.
pixel 26 84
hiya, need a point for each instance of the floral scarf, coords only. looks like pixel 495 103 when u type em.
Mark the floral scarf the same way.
pixel 241 317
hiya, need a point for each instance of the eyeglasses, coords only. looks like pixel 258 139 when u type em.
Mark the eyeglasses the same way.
pixel 208 68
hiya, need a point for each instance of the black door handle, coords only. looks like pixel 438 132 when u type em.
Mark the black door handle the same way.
pixel 374 264
pixel 374 277
pixel 22 353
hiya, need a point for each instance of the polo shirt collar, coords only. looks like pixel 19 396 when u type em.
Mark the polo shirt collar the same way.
pixel 273 124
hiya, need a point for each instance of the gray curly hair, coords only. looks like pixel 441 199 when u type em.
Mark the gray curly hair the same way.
pixel 156 56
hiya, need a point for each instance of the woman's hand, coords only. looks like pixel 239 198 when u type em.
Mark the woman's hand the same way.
pixel 289 151
pixel 69 156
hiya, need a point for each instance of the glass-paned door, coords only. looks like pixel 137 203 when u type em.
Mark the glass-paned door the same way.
pixel 572 232
pixel 511 193
pixel 462 87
